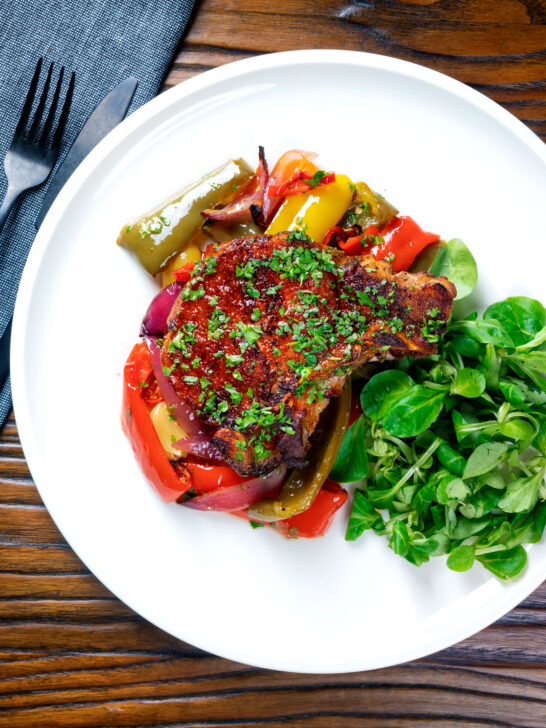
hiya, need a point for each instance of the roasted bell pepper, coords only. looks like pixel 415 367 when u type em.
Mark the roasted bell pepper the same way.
pixel 403 241
pixel 337 234
pixel 191 254
pixel 206 478
pixel 302 181
pixel 316 520
pixel 157 236
pixel 183 274
pixel 358 244
pixel 368 208
pixel 399 242
pixel 138 427
pixel 314 212
pixel 303 485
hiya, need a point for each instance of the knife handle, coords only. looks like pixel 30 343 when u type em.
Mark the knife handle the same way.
pixel 4 353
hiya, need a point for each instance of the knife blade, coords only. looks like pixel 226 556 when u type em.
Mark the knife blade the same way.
pixel 106 115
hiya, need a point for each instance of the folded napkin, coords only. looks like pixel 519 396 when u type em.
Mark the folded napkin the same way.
pixel 103 41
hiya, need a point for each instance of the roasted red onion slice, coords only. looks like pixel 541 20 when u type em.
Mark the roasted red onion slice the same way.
pixel 238 497
pixel 155 320
pixel 249 196
pixel 201 446
pixel 183 414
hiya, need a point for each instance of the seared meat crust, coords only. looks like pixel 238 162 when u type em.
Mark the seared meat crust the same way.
pixel 268 328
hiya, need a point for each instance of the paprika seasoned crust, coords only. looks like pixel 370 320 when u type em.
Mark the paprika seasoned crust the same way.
pixel 269 327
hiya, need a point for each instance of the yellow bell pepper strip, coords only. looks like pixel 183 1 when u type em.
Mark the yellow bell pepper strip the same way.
pixel 158 235
pixel 316 211
pixel 302 486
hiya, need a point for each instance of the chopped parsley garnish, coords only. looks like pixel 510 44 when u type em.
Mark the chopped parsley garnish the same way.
pixel 250 332
pixel 252 291
pixel 232 360
pixel 316 179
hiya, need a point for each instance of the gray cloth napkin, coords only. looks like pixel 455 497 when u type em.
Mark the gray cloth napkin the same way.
pixel 103 41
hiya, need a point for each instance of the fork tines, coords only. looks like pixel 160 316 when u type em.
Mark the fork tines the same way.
pixel 31 132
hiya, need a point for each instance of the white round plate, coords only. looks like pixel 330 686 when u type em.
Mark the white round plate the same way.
pixel 446 155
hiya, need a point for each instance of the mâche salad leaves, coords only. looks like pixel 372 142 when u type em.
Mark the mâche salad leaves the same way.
pixel 453 446
pixel 455 261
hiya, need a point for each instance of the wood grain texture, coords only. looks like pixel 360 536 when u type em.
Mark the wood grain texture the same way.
pixel 72 655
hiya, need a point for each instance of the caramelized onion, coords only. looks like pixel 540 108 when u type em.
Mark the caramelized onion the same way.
pixel 240 496
pixel 249 196
pixel 183 414
pixel 201 446
pixel 155 320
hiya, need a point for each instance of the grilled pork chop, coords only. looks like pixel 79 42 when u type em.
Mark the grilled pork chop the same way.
pixel 268 328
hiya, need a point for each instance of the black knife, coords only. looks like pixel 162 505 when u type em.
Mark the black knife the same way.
pixel 109 112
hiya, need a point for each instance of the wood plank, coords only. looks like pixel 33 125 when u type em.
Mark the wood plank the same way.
pixel 415 11
pixel 52 586
pixel 39 559
pixel 29 524
pixel 251 705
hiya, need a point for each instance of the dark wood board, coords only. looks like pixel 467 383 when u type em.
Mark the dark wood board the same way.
pixel 72 655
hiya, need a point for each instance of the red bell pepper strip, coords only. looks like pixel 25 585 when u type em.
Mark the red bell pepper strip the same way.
pixel 316 520
pixel 138 427
pixel 359 244
pixel 301 181
pixel 337 235
pixel 206 478
pixel 288 164
pixel 403 241
pixel 183 274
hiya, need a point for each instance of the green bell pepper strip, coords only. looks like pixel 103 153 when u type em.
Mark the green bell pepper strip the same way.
pixel 302 486
pixel 158 235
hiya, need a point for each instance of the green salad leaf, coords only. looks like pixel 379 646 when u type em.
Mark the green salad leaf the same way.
pixel 382 391
pixel 414 411
pixel 453 446
pixel 351 462
pixel 521 317
pixel 455 261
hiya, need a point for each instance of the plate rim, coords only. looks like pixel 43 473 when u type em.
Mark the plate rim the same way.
pixel 96 157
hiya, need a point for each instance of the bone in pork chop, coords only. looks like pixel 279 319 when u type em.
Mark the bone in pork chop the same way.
pixel 269 327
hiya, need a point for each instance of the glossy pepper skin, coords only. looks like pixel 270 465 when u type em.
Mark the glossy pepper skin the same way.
pixel 207 478
pixel 315 211
pixel 316 520
pixel 399 241
pixel 138 427
pixel 356 245
pixel 313 522
pixel 303 486
pixel 159 235
pixel 403 239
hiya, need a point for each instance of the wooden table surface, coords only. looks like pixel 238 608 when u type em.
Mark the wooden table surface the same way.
pixel 72 655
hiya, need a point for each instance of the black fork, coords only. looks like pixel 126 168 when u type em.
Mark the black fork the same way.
pixel 35 146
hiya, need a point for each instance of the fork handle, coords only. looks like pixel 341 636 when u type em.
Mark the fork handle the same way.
pixel 7 203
